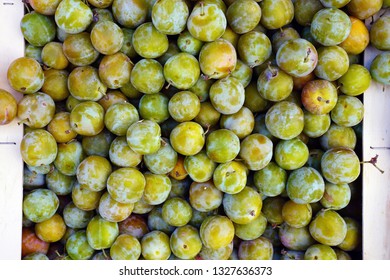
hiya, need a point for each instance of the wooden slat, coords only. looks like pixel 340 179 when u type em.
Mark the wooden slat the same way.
pixel 376 186
pixel 11 164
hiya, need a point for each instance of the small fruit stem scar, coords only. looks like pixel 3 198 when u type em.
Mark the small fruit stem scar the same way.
pixel 307 55
pixel 374 161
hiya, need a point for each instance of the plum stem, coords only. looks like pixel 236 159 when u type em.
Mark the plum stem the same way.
pixel 202 8
pixel 373 161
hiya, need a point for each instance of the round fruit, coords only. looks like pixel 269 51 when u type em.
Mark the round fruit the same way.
pixel 242 23
pixel 222 145
pixel 8 107
pixel 38 147
pixel 79 50
pixel 40 205
pixel 256 150
pixel 380 69
pixel 364 9
pixel 217 59
pixel 187 138
pixel 254 48
pixel 305 185
pixel 25 75
pixel 355 81
pixel 114 211
pixel 130 13
pixel 257 249
pixel 157 188
pixel 184 106
pixel 205 196
pixel 297 57
pixel 276 14
pixel 155 246
pixel 274 84
pixel 330 32
pixel 230 177
pixel 320 252
pixel 333 62
pixel 200 167
pixel 328 228
pixel 77 246
pixel 185 242
pixel 68 11
pixel 125 247
pixel 349 111
pixel 206 22
pixel 119 117
pixel 270 180
pixel 147 76
pixel 176 211
pixel 144 137
pixel 126 185
pixel 285 120
pixel 358 39
pixel 148 42
pixel 37 29
pixel 182 70
pixel 170 16
pixel 242 207
pixel 216 232
pixel 87 118
pixel 107 37
pixel 296 215
pixel 101 234
pixel 319 96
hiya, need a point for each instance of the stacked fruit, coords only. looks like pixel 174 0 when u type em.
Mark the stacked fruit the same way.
pixel 211 129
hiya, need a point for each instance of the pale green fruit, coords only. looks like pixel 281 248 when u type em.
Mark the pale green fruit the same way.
pixel 295 238
pixel 205 197
pixel 216 232
pixel 251 230
pixel 101 234
pixel 336 197
pixel 184 106
pixel 316 125
pixel 182 70
pixel 380 70
pixel 291 154
pixel 257 249
pixel 206 22
pixel 354 235
pixel 349 111
pixel 338 136
pixel 115 69
pixel 163 161
pixel 340 165
pixel 285 120
pixel 38 147
pixel 254 48
pixel 200 167
pixel 328 228
pixel 40 205
pixel 270 180
pixel 125 247
pixel 320 252
pixel 87 118
pixel 355 81
pixel 241 123
pixel 85 84
pixel 107 37
pixel 147 76
pixel 243 207
pixel 155 246
pixel 144 137
pixel 170 16
pixel 222 145
pixel 130 13
pixel 126 185
pixel 276 14
pixel 227 95
pixel 330 32
pixel 230 177
pixel 157 188
pixel 243 22
pixel 256 151
pixel 148 42
pixel 187 138
pixel 92 172
pixel 305 185
pixel 73 16
pixel 185 242
pixel 274 84
pixel 112 210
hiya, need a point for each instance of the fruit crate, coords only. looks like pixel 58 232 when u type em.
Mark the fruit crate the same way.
pixel 375 186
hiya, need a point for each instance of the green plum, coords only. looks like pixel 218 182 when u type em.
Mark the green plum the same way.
pixel 333 62
pixel 126 185
pixel 379 33
pixel 243 22
pixel 305 185
pixel 222 145
pixel 185 242
pixel 316 125
pixel 230 177
pixel 291 154
pixel 205 197
pixel 216 232
pixel 328 228
pixel 130 13
pixel 79 50
pixel 257 249
pixel 170 16
pixel 154 107
pixel 184 106
pixel 338 136
pixel 335 196
pixel 380 69
pixel 119 117
pixel 187 43
pixel 199 167
pixel 176 211
pixel 36 110
pixel 274 84
pixel 297 57
pixel 187 138
pixel 147 76
pixel 254 48
pixel 355 81
pixel 206 22
pixel 157 188
pixel 319 96
pixel 182 70
pixel 148 42
pixel 25 75
pixel 304 10
pixel 155 245
pixel 107 37
pixel 125 247
pixel 330 26
pixel 285 120
pixel 320 252
pixel 163 161
pixel 38 147
pixel 270 180
pixel 349 111
pixel 340 165
pixel 296 215
pixel 295 238
pixel 37 29
pixel 227 95
pixel 256 150
pixel 276 14
pixel 101 234
pixel 87 118
pixel 73 16
pixel 77 246
pixel 144 137
pixel 40 205
pixel 85 84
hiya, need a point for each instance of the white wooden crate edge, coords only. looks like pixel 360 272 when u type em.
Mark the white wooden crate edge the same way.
pixel 376 186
